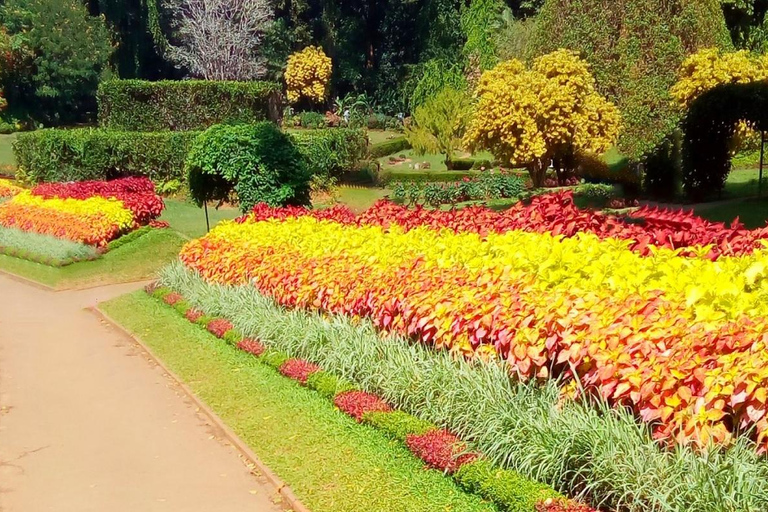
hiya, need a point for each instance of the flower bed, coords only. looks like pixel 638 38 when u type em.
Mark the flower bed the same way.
pixel 438 448
pixel 92 213
pixel 681 340
pixel 8 189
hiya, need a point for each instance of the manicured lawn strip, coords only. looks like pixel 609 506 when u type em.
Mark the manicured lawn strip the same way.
pixel 135 261
pixel 330 462
pixel 438 448
pixel 569 445
pixel 189 220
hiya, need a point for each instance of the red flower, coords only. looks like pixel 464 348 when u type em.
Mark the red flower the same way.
pixel 440 450
pixel 251 346
pixel 172 298
pixel 552 505
pixel 219 327
pixel 357 403
pixel 298 369
pixel 193 315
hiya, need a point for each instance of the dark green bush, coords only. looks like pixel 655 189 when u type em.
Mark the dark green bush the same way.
pixel 328 384
pixel 259 162
pixel 389 147
pixel 662 176
pixel 509 490
pixel 94 154
pixel 398 424
pixel 332 151
pixel 185 105
pixel 594 169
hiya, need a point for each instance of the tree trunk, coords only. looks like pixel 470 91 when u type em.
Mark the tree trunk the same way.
pixel 538 172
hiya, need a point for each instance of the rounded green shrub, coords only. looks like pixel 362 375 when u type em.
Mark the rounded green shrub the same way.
pixel 259 162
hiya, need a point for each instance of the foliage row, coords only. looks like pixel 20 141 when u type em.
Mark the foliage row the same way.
pixel 137 105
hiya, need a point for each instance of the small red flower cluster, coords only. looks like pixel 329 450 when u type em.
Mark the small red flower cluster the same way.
pixel 219 327
pixel 193 315
pixel 172 298
pixel 298 369
pixel 552 505
pixel 440 450
pixel 357 403
pixel 251 346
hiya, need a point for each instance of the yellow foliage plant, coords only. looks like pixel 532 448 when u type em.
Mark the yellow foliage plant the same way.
pixel 709 68
pixel 307 75
pixel 546 113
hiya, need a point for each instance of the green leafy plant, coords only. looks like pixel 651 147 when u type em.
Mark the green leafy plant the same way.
pixel 438 125
pixel 259 162
pixel 95 154
pixel 398 424
pixel 146 106
pixel 310 119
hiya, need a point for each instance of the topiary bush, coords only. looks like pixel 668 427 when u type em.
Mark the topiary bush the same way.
pixel 185 104
pixel 259 162
pixel 389 147
pixel 95 154
pixel 331 151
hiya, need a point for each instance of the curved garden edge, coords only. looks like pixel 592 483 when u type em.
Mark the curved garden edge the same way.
pixel 280 487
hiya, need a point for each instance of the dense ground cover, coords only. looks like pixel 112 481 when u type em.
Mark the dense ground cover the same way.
pixel 635 312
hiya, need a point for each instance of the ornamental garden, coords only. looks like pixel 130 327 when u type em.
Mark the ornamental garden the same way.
pixel 538 271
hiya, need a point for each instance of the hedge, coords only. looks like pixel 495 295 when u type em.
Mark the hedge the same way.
pixel 389 147
pixel 332 151
pixel 185 105
pixel 95 154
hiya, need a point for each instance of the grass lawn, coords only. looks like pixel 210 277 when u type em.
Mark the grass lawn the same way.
pixel 189 220
pixel 332 463
pixel 376 136
pixel 133 261
pixel 753 213
pixel 360 199
pixel 436 162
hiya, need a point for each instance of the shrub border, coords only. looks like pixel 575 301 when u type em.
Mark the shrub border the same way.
pixel 438 448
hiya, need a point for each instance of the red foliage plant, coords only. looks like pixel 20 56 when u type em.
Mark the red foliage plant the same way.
pixel 251 346
pixel 554 213
pixel 440 450
pixel 193 315
pixel 357 403
pixel 553 505
pixel 172 298
pixel 298 369
pixel 219 327
pixel 137 194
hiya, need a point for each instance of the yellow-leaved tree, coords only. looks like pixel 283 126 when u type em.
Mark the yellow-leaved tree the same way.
pixel 709 68
pixel 544 114
pixel 307 75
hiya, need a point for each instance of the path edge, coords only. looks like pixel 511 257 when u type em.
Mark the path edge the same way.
pixel 281 487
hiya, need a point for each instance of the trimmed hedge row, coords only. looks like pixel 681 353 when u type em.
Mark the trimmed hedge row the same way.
pixel 96 154
pixel 185 105
pixel 330 152
pixel 389 147
pixel 99 154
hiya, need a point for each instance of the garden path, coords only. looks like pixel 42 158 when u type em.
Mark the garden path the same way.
pixel 88 424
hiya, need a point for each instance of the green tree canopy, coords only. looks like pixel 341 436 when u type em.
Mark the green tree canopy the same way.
pixel 61 52
pixel 635 48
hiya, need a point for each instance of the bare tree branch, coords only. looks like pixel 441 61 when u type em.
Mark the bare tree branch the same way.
pixel 220 39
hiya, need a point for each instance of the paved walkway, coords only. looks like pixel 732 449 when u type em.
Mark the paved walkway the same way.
pixel 88 424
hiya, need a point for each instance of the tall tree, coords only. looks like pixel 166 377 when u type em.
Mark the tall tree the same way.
pixel 220 39
pixel 62 54
pixel 635 48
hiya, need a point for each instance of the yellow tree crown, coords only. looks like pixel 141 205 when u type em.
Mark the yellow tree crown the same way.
pixel 307 74
pixel 523 114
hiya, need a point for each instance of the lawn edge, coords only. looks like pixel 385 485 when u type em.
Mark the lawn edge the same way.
pixel 280 487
